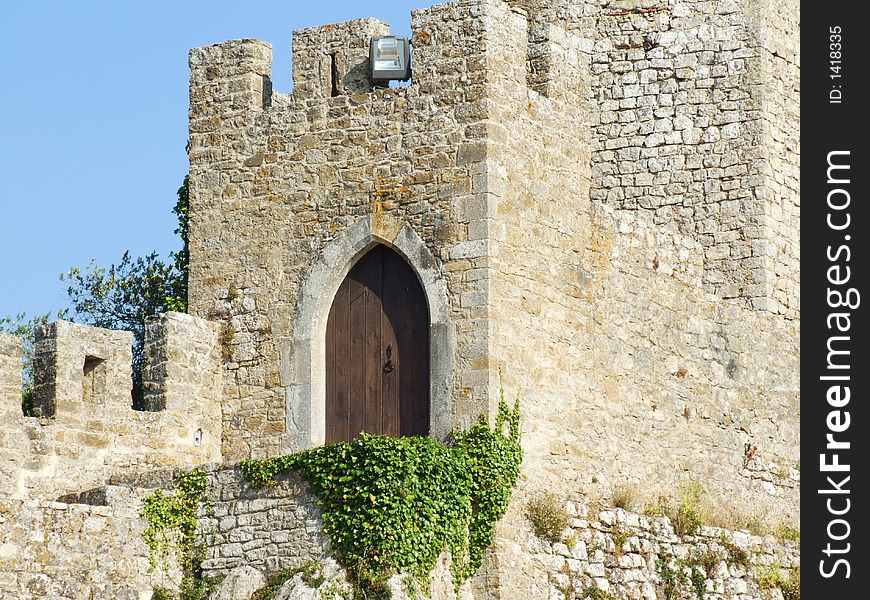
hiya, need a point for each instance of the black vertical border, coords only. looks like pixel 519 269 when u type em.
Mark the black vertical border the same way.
pixel 827 127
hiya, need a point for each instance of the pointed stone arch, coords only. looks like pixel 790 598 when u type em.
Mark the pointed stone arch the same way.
pixel 303 351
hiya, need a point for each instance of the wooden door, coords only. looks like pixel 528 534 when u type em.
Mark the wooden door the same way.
pixel 377 351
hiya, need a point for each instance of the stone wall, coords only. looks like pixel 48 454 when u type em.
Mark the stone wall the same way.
pixel 617 552
pixel 778 27
pixel 87 430
pixel 92 547
pixel 692 110
pixel 279 527
pixel 589 184
pixel 74 551
pixel 271 529
pixel 666 383
pixel 13 440
pixel 630 368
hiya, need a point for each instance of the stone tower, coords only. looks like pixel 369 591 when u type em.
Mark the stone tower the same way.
pixel 600 202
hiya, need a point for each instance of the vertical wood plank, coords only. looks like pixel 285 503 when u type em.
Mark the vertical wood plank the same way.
pixel 338 337
pixel 391 327
pixel 419 347
pixel 405 289
pixel 373 274
pixel 358 358
pixel 381 303
pixel 344 367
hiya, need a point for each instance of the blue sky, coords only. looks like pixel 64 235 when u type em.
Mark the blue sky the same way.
pixel 93 123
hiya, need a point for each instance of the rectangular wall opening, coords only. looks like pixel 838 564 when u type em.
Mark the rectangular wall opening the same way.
pixel 333 75
pixel 93 379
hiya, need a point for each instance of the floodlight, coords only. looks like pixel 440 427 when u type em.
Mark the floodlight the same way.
pixel 389 59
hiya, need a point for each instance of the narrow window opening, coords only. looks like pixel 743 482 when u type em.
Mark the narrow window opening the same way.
pixel 333 70
pixel 267 92
pixel 93 379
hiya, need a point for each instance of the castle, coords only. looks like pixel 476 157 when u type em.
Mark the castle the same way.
pixel 598 204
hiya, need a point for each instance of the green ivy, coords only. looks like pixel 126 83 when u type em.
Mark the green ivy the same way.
pixel 172 529
pixel 392 505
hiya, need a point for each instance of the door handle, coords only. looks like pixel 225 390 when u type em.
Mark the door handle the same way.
pixel 388 366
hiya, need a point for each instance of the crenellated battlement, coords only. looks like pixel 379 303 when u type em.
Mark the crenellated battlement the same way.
pixel 670 98
pixel 471 42
pixel 84 429
pixel 80 371
pixel 332 60
pixel 11 354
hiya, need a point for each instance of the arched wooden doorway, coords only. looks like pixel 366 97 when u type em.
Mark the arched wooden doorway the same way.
pixel 377 351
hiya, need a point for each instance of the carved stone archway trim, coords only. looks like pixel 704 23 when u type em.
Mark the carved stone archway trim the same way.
pixel 303 352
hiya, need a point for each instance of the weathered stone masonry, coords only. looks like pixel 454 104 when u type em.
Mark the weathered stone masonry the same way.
pixel 600 199
pixel 593 248
pixel 87 431
pixel 92 548
pixel 695 128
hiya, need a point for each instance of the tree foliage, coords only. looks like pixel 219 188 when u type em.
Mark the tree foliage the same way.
pixel 177 300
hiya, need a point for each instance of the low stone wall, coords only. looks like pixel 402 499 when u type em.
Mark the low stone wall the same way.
pixel 91 546
pixel 616 551
pixel 621 553
pixel 74 551
pixel 270 528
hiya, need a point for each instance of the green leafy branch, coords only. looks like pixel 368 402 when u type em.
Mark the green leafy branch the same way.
pixel 392 505
pixel 173 526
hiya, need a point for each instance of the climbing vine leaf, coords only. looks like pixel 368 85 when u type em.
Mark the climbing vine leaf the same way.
pixel 393 505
